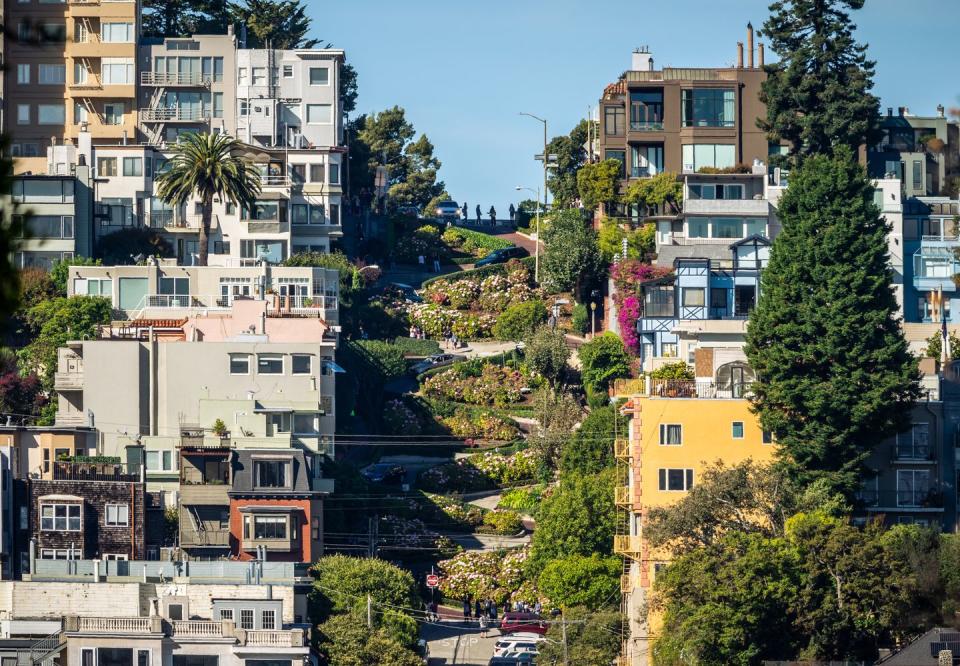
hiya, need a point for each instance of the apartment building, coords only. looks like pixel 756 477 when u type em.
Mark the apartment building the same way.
pixel 70 68
pixel 683 120
pixel 922 151
pixel 59 222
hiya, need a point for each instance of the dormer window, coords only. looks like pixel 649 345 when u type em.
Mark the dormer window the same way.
pixel 271 473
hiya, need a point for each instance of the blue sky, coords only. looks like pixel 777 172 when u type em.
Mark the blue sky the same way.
pixel 463 69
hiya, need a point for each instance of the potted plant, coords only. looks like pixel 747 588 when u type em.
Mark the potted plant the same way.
pixel 220 429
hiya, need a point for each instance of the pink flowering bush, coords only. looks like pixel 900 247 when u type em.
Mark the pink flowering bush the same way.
pixel 628 312
pixel 497 575
pixel 628 277
pixel 482 471
pixel 495 386
pixel 400 419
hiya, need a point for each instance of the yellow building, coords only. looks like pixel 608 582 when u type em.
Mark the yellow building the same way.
pixel 676 429
pixel 70 66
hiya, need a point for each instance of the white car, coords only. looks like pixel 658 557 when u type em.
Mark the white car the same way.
pixel 448 210
pixel 522 642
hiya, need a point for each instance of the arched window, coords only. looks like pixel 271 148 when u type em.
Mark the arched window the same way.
pixel 735 378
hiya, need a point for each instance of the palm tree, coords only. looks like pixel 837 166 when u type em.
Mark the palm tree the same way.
pixel 208 165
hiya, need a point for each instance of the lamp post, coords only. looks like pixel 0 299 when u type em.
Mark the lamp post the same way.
pixel 594 296
pixel 536 252
pixel 545 156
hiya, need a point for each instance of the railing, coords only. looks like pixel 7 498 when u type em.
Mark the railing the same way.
pixel 626 544
pixel 174 114
pixel 274 638
pixel 626 583
pixel 625 387
pixel 73 419
pixel 185 301
pixel 211 538
pixel 680 388
pixel 621 449
pixel 274 180
pixel 110 625
pixel 676 239
pixel 621 496
pixel 174 79
pixel 195 628
pixel 93 471
pixel 646 125
pixel 908 499
pixel 943 238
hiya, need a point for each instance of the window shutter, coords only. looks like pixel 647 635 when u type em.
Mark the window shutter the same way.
pixel 663 439
pixel 663 478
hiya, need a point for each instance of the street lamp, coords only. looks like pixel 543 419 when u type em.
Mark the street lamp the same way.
pixel 536 253
pixel 545 156
pixel 594 296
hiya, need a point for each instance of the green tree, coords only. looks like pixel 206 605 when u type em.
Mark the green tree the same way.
pixel 60 272
pixel 11 235
pixel 641 241
pixel 430 210
pixel 577 519
pixel 342 583
pixel 592 638
pixel 571 156
pixel 36 285
pixel 520 320
pixel 935 346
pixel 602 360
pixel 277 24
pixel 546 353
pixel 208 166
pixel 599 183
pixel 818 95
pixel 120 248
pixel 590 448
pixel 591 581
pixel 731 603
pixel 660 195
pixel 557 413
pixel 171 18
pixel 570 258
pixel 345 640
pixel 835 373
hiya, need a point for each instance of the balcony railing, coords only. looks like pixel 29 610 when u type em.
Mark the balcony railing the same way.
pixel 96 471
pixel 626 544
pixel 205 538
pixel 908 499
pixel 114 625
pixel 196 629
pixel 274 180
pixel 174 79
pixel 274 638
pixel 622 496
pixel 646 125
pixel 677 388
pixel 622 449
pixel 68 381
pixel 175 114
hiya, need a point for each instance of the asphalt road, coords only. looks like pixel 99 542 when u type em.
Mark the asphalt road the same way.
pixel 455 643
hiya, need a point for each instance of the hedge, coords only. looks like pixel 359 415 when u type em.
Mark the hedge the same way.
pixel 486 241
pixel 478 273
pixel 415 347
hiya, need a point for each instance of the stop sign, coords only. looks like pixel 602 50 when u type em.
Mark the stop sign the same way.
pixel 433 580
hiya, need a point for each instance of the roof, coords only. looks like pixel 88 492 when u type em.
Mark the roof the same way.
pixel 750 240
pixel 923 650
pixel 618 88
pixel 243 479
pixel 667 254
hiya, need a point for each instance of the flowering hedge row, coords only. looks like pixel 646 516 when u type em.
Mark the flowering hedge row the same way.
pixel 502 522
pixel 473 242
pixel 496 575
pixel 496 386
pixel 629 276
pixel 399 419
pixel 493 293
pixel 435 320
pixel 481 471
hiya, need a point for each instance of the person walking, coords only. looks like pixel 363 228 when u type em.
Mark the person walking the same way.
pixel 513 212
pixel 477 608
pixel 478 214
pixel 447 338
pixel 493 611
pixel 466 609
pixel 465 211
pixel 436 263
pixel 493 216
pixel 483 625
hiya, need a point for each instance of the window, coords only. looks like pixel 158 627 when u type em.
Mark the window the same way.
pixel 51 114
pixel 242 76
pixel 243 107
pixel 646 160
pixel 132 166
pixel 614 118
pixel 88 656
pixel 226 614
pixel 737 430
pixel 301 364
pixel 913 487
pixel 268 619
pixel 270 364
pixel 767 437
pixel 671 434
pixel 57 554
pixel 52 32
pixel 334 213
pixel 113 113
pixel 317 214
pixel 694 297
pixel 675 479
pixel 175 611
pixel 917 174
pixel 288 71
pixel 246 618
pixel 117 32
pixel 319 114
pixel 23 73
pixel 218 105
pixel 915 443
pixel 718 302
pixel 727 228
pixel 319 76
pixel 80 74
pixel 161 461
pixel 669 350
pixel 646 109
pixel 50 226
pixel 707 107
pixel 117 515
pixel 280 422
pixel 48 75
pixel 259 76
pixel 43 190
pixel 106 166
pixel 700 155
pixel 271 473
pixel 716 191
pixel 299 213
pixel 195 660
pixel 317 173
pixel 117 71
pixel 60 517
pixel 143 657
pixel 239 364
pixel 269 527
pixel 23 114
pixel 620 156
pixel 305 424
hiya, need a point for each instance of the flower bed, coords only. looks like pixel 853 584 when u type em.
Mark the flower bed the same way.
pixel 496 575
pixel 473 242
pixel 496 386
pixel 526 500
pixel 503 522
pixel 468 424
pixel 452 512
pixel 399 419
pixel 481 471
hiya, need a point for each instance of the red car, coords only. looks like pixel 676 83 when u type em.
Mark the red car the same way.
pixel 513 622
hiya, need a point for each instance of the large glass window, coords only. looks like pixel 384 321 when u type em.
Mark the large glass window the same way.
pixel 319 114
pixel 60 517
pixel 302 364
pixel 117 515
pixel 727 227
pixel 646 159
pixel 658 301
pixel 698 227
pixel 132 166
pixel 50 226
pixel 51 114
pixel 707 107
pixel 716 191
pixel 117 71
pixel 305 424
pixel 917 174
pixel 319 76
pixel 675 479
pixel 270 364
pixel 117 32
pixel 913 487
pixel 621 156
pixel 715 156
pixel 49 75
pixel 614 118
pixel 694 297
pixel 646 109
pixel 114 656
pixel 195 659
pixel 270 527
pixel 271 473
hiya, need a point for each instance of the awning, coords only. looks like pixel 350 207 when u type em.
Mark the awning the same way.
pixel 270 196
pixel 266 407
pixel 254 508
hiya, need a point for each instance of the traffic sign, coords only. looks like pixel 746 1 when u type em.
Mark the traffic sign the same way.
pixel 433 580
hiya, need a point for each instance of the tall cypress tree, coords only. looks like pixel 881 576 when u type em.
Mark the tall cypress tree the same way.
pixel 818 95
pixel 835 373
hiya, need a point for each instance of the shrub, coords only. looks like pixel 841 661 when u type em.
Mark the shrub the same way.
pixel 415 347
pixel 480 273
pixel 547 353
pixel 520 321
pixel 526 500
pixel 603 359
pixel 399 419
pixel 497 575
pixel 501 522
pixel 470 425
pixel 387 358
pixel 581 319
pixel 495 386
pixel 678 370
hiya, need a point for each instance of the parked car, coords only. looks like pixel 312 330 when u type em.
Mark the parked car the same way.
pixel 383 473
pixel 512 660
pixel 399 291
pixel 522 622
pixel 524 642
pixel 435 361
pixel 409 210
pixel 448 210
pixel 501 256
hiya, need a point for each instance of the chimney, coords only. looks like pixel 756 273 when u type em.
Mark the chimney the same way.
pixel 889 112
pixel 760 55
pixel 642 60
pixel 750 45
pixel 900 111
pixel 940 111
pixel 739 55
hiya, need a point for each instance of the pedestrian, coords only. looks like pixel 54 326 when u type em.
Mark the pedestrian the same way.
pixel 466 211
pixel 493 611
pixel 493 216
pixel 413 331
pixel 436 263
pixel 363 333
pixel 477 608
pixel 447 338
pixel 456 341
pixel 466 609
pixel 434 615
pixel 422 261
pixel 537 607
pixel 478 213
pixel 483 624
pixel 513 212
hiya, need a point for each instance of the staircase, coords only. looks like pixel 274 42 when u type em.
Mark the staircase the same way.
pixel 43 652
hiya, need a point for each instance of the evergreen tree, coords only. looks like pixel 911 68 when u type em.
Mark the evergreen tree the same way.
pixel 571 156
pixel 835 374
pixel 818 95
pixel 281 24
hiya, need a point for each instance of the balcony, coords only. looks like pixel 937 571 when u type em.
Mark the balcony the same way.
pixel 183 302
pixel 646 125
pixel 73 419
pixel 268 226
pixel 206 494
pixel 174 115
pixel 68 381
pixel 622 449
pixel 113 625
pixel 622 496
pixel 934 266
pixel 275 638
pixel 925 500
pixel 675 388
pixel 629 545
pixel 204 538
pixel 758 207
pixel 196 629
pixel 96 470
pixel 274 180
pixel 166 80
